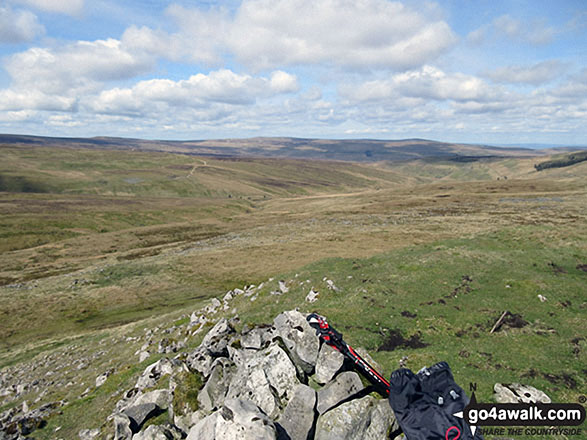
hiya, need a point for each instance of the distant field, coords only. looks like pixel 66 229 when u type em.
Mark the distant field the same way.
pixel 114 236
pixel 97 245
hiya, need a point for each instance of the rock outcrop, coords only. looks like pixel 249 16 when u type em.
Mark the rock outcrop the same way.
pixel 274 382
pixel 269 382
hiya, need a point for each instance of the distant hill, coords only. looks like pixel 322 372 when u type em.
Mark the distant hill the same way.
pixel 563 161
pixel 356 150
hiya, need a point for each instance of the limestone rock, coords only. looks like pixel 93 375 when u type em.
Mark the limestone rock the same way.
pixel 158 432
pixel 89 434
pixel 344 385
pixel 359 419
pixel 280 371
pixel 517 393
pixel 138 414
pixel 205 429
pixel 328 364
pixel 300 339
pixel 250 382
pixel 122 429
pixel 298 417
pixel 211 397
pixel 101 379
pixel 312 296
pixel 236 420
pixel 153 373
pixel 161 398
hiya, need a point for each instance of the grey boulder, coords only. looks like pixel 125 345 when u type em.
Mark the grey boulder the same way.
pixel 345 385
pixel 299 338
pixel 299 414
pixel 359 419
pixel 236 420
pixel 328 364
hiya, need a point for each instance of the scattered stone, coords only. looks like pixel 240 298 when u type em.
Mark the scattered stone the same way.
pixel 282 287
pixel 331 286
pixel 88 434
pixel 101 379
pixel 517 393
pixel 312 296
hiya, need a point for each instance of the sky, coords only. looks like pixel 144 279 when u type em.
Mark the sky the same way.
pixel 476 71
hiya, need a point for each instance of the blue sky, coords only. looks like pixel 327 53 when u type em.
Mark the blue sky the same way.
pixel 500 72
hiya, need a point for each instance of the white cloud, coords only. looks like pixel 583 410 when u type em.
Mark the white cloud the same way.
pixel 536 74
pixel 18 26
pixel 199 91
pixel 15 100
pixel 74 67
pixel 265 34
pixel 70 7
pixel 427 83
pixel 536 32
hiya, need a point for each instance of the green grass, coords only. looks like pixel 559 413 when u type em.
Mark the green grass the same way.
pixel 453 315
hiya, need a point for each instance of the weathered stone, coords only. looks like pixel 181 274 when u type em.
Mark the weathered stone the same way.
pixel 161 398
pixel 143 356
pixel 138 414
pixel 101 379
pixel 250 382
pixel 328 364
pixel 88 434
pixel 359 419
pixel 122 429
pixel 236 420
pixel 300 339
pixel 282 287
pixel 312 296
pixel 280 371
pixel 153 373
pixel 205 429
pixel 298 417
pixel 211 397
pixel 251 339
pixel 187 421
pixel 344 385
pixel 517 393
pixel 158 432
pixel 240 420
pixel 379 421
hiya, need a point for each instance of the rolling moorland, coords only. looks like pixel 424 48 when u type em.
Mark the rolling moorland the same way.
pixel 428 244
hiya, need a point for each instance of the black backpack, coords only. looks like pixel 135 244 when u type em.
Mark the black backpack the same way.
pixel 424 404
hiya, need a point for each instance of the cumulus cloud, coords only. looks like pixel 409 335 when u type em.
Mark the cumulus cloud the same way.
pixel 428 83
pixel 70 7
pixel 199 91
pixel 536 74
pixel 18 26
pixel 265 34
pixel 74 66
